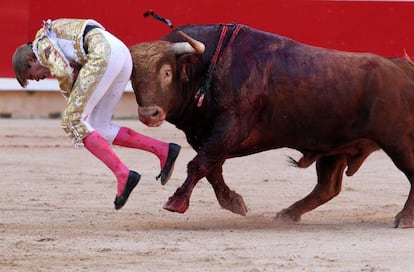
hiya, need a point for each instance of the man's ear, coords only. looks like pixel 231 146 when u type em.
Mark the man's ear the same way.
pixel 30 61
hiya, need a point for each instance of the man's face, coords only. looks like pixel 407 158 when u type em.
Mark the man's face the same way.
pixel 36 71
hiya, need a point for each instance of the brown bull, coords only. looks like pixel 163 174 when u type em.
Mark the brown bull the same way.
pixel 236 91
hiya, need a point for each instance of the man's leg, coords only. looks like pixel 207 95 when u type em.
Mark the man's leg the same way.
pixel 166 152
pixel 127 180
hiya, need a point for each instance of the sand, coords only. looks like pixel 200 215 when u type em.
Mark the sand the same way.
pixel 57 214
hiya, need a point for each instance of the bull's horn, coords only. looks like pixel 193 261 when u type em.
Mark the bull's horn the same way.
pixel 190 46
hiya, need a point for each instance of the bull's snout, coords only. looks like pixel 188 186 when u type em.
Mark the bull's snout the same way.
pixel 152 116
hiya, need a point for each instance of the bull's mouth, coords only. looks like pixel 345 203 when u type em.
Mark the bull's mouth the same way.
pixel 152 116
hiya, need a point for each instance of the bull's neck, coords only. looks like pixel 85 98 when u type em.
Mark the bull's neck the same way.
pixel 185 105
pixel 195 96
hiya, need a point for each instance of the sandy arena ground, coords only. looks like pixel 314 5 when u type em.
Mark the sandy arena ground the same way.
pixel 56 212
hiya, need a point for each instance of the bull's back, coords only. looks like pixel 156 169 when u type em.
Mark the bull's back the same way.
pixel 314 95
pixel 306 95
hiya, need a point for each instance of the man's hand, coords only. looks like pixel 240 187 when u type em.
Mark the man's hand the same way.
pixel 76 69
pixel 75 75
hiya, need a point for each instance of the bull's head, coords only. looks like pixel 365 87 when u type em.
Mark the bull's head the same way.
pixel 154 75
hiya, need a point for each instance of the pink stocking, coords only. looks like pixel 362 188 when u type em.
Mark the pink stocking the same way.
pixel 129 138
pixel 100 148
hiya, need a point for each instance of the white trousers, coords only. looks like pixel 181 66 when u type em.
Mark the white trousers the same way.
pixel 99 87
pixel 101 105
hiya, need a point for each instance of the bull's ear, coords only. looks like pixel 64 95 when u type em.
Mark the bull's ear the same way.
pixel 183 73
pixel 184 62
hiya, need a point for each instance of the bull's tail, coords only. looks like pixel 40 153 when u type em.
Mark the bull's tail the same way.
pixel 307 159
pixel 293 162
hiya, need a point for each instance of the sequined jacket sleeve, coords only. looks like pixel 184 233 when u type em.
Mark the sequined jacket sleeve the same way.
pixel 59 66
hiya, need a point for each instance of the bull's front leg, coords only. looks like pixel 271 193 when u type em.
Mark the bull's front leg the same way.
pixel 330 173
pixel 223 139
pixel 180 201
pixel 228 199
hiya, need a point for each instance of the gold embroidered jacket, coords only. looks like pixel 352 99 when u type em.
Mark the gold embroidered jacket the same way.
pixel 59 47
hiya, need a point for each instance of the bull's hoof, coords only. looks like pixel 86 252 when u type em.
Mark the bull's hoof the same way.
pixel 176 204
pixel 286 216
pixel 403 222
pixel 234 203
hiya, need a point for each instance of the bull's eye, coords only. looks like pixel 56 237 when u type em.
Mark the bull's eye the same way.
pixel 166 75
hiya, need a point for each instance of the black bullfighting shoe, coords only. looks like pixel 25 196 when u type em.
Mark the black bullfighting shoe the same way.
pixel 173 151
pixel 133 179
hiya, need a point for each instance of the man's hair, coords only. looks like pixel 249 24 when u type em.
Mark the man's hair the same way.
pixel 20 64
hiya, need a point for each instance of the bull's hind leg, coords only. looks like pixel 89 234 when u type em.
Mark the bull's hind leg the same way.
pixel 228 199
pixel 405 218
pixel 403 158
pixel 330 172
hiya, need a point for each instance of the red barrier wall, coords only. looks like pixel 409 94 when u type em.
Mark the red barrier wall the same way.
pixel 382 27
